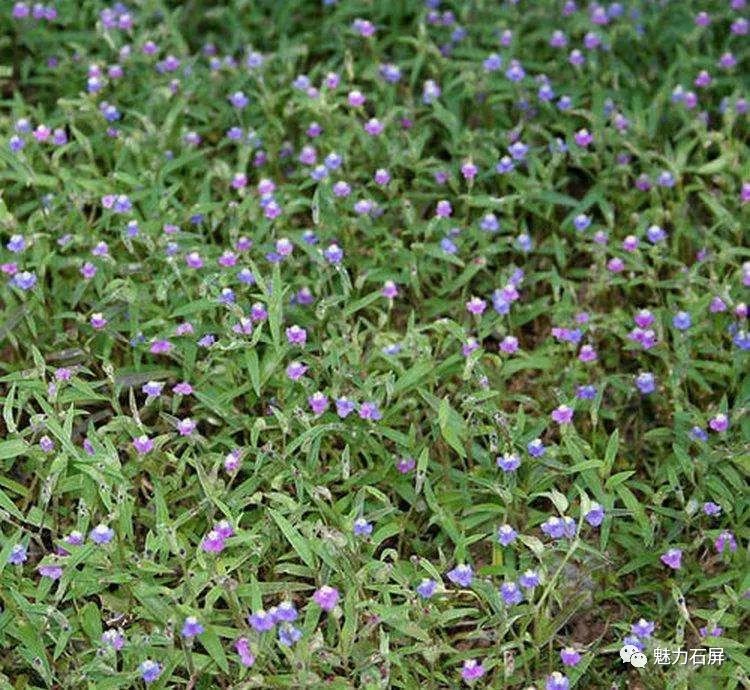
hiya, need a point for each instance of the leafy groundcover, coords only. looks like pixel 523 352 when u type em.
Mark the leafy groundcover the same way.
pixel 374 344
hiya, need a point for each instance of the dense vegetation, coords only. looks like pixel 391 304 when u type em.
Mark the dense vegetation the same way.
pixel 374 344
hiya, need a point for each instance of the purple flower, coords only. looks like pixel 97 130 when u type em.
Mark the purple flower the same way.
pixel 364 27
pixel 645 382
pixel 559 528
pixel 289 635
pixel 374 127
pixel 97 321
pixel 296 370
pixel 581 222
pixel 261 621
pixel 242 646
pixel 515 71
pixel 183 388
pixel 239 100
pixel 191 627
pixel 713 631
pixel 160 347
pixel 16 244
pixel 326 597
pixel 471 670
pixel 489 223
pixel 656 234
pixel 149 670
pixel 75 538
pixel 643 628
pixel 152 388
pixel 665 179
pixel 318 403
pixel 24 280
pixel 405 465
pixel 724 540
pixel 213 542
pixel 699 434
pixel 344 407
pixel 509 344
pixel 587 354
pixel 569 656
pixel 529 579
pixel 469 170
pixel 505 165
pixel 389 289
pixel 426 588
pixel 672 558
pixel 536 448
pixel 391 73
pixel 509 462
pixel 461 575
pixel 443 209
pixel 113 638
pixel 557 681
pixel 583 138
pixel 595 515
pixel 286 612
pixel 17 555
pixel 296 335
pixel 710 508
pixel 634 641
pixel 492 63
pixel 143 445
pixel 682 320
pixel 518 151
pixel 562 415
pixel 333 254
pixel 511 594
pixel 719 423
pixel 186 426
pixel 224 529
pixel 476 306
pixel 233 460
pixel 506 535
pixel 369 410
pixel 382 176
pixel 101 534
pixel 362 528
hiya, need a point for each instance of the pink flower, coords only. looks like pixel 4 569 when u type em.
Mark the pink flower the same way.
pixel 160 347
pixel 213 542
pixel 583 138
pixel 326 597
pixel 562 414
pixel 242 645
pixel 476 306
pixel 472 669
pixel 186 426
pixel 672 558
pixel 98 321
pixel 143 444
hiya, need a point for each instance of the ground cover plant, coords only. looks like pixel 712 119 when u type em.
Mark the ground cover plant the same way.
pixel 374 344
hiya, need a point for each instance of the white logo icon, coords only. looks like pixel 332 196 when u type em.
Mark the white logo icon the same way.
pixel 630 654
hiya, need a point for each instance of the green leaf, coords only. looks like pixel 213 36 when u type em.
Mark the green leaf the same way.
pixel 452 427
pixel 298 542
pixel 212 644
pixel 12 448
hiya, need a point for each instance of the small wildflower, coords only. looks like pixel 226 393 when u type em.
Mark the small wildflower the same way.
pixel 461 575
pixel 326 597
